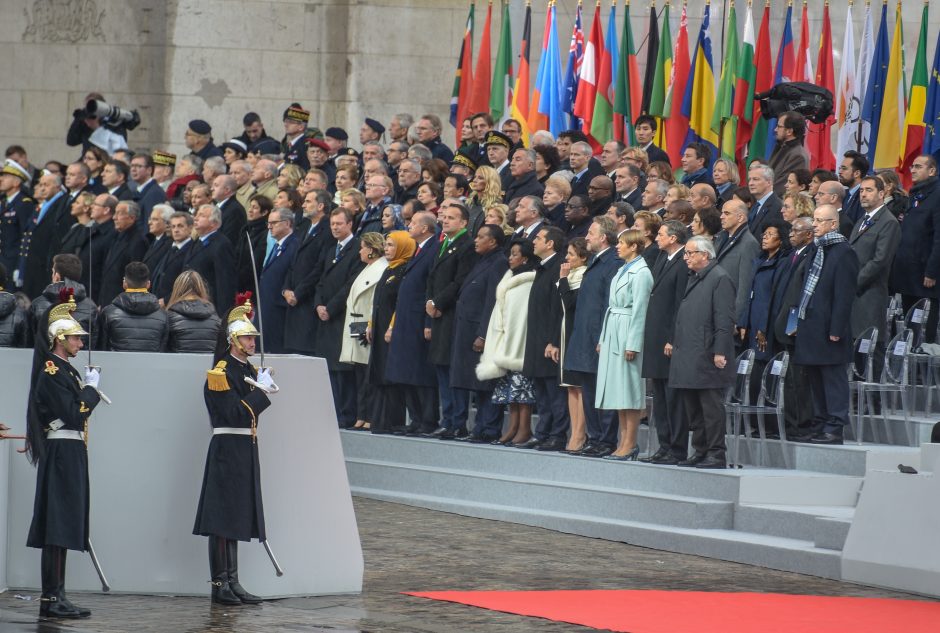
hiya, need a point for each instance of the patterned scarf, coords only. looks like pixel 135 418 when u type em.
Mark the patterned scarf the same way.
pixel 815 270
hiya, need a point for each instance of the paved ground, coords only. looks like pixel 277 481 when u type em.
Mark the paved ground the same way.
pixel 412 549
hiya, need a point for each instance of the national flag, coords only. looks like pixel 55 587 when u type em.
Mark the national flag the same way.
pixel 874 93
pixel 803 71
pixel 537 120
pixel 480 96
pixel 550 97
pixel 501 95
pixel 762 81
pixel 916 105
pixel 699 100
pixel 613 51
pixel 932 109
pixel 652 56
pixel 569 93
pixel 819 136
pixel 744 88
pixel 587 78
pixel 865 58
pixel 602 119
pixel 463 77
pixel 520 94
pixel 629 97
pixel 722 122
pixel 847 106
pixel 893 105
pixel 784 71
pixel 677 123
pixel 661 82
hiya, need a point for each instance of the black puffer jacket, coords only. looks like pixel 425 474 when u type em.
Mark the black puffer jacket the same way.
pixel 12 322
pixel 134 322
pixel 84 313
pixel 194 326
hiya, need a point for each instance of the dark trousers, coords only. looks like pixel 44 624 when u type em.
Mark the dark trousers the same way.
pixel 365 394
pixel 705 409
pixel 601 425
pixel 343 384
pixel 489 418
pixel 797 408
pixel 388 409
pixel 551 402
pixel 930 334
pixel 422 405
pixel 830 387
pixel 455 403
pixel 672 426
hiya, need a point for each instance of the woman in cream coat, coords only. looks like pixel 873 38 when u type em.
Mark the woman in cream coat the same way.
pixel 359 310
pixel 620 385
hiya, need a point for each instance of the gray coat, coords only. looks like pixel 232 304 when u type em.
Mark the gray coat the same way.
pixel 736 256
pixel 875 247
pixel 704 328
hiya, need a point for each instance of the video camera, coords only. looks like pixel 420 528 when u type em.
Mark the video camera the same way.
pixel 113 115
pixel 812 101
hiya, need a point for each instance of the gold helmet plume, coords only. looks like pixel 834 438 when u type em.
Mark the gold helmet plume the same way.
pixel 239 318
pixel 61 322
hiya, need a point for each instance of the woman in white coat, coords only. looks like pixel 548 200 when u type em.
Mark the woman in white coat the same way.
pixel 355 347
pixel 620 384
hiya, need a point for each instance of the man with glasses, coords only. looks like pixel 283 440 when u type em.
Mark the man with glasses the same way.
pixel 854 167
pixel 409 179
pixel 789 153
pixel 429 133
pixel 273 273
pixel 149 191
pixel 377 196
pixel 627 185
pixel 822 323
pixel 600 194
pixel 833 193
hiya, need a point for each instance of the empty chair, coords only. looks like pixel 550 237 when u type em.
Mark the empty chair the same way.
pixel 738 396
pixel 862 371
pixel 894 379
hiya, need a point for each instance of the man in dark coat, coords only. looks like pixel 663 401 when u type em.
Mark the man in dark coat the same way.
pixel 276 266
pixel 767 209
pixel 114 177
pixel 293 145
pixel 525 182
pixel 702 356
pixel 149 191
pixel 645 129
pixel 36 258
pixel 429 129
pixel 917 263
pixel 168 268
pixel 303 275
pixel 159 229
pixel 212 256
pixel 101 236
pixel 134 321
pixel 737 250
pixel 340 265
pixel 234 217
pixel 581 351
pixel 824 333
pixel 542 344
pixel 670 274
pixel 854 167
pixel 16 212
pixel 695 165
pixel 66 271
pixel 129 246
pixel 409 365
pixel 474 306
pixel 584 168
pixel 789 153
pixel 455 258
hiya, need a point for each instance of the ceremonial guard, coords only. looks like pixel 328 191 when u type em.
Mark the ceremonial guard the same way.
pixel 57 412
pixel 230 507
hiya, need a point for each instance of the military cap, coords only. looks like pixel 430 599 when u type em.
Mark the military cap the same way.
pixel 495 137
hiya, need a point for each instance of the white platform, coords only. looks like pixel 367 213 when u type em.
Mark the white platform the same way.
pixel 146 459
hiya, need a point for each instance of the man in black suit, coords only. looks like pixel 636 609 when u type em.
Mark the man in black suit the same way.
pixel 627 185
pixel 234 218
pixel 454 261
pixel 149 191
pixel 670 274
pixel 645 129
pixel 114 177
pixel 831 192
pixel 275 269
pixel 36 266
pixel 524 180
pixel 760 182
pixel 129 246
pixel 530 217
pixel 159 226
pixel 303 275
pixel 212 256
pixel 340 266
pixel 101 236
pixel 695 164
pixel 170 265
pixel 542 344
pixel 583 167
pixel 854 167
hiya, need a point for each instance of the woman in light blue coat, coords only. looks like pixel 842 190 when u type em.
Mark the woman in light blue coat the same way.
pixel 620 384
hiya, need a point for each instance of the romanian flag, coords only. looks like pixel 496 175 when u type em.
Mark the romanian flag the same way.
pixel 587 78
pixel 480 96
pixel 932 110
pixel 501 95
pixel 917 105
pixel 763 80
pixel 722 123
pixel 894 104
pixel 677 124
pixel 536 119
pixel 629 97
pixel 463 78
pixel 784 71
pixel 744 89
pixel 661 82
pixel 874 92
pixel 520 94
pixel 602 121
pixel 819 138
pixel 698 103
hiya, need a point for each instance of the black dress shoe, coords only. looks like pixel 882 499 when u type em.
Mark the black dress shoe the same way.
pixel 667 459
pixel 692 461
pixel 659 453
pixel 460 433
pixel 587 448
pixel 712 462
pixel 531 443
pixel 601 450
pixel 476 438
pixel 826 438
pixel 552 444
pixel 436 433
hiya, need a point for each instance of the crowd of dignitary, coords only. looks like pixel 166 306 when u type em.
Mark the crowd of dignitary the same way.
pixel 555 278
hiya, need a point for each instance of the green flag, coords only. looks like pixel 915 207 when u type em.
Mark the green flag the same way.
pixel 722 123
pixel 501 94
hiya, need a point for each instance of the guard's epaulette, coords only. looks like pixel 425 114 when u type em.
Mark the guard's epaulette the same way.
pixel 216 377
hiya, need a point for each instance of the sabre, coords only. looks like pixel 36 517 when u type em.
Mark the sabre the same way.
pixel 91 321
pixel 94 559
pixel 277 568
pixel 254 271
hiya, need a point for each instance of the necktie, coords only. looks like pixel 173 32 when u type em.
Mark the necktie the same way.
pixel 794 257
pixel 339 247
pixel 272 254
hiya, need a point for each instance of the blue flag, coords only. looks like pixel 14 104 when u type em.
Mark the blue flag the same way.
pixel 569 91
pixel 932 109
pixel 874 95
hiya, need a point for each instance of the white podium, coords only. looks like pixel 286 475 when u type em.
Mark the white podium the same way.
pixel 146 459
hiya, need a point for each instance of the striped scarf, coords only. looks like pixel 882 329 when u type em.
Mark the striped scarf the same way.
pixel 815 270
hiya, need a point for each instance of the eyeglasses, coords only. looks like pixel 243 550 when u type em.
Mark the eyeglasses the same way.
pixel 821 220
pixel 689 253
pixel 273 222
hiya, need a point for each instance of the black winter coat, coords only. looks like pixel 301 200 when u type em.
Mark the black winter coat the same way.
pixel 12 322
pixel 332 292
pixel 300 322
pixel 134 322
pixel 194 326
pixel 447 275
pixel 85 313
pixel 544 320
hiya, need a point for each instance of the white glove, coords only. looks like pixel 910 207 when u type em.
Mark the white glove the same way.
pixel 92 376
pixel 265 381
pixel 16 279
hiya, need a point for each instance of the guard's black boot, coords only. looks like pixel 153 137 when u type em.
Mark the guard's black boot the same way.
pixel 218 567
pixel 50 605
pixel 82 613
pixel 231 547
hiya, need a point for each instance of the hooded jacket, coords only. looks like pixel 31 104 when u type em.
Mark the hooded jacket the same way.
pixel 194 326
pixel 134 322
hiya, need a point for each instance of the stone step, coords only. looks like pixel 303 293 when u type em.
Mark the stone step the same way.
pixel 794 521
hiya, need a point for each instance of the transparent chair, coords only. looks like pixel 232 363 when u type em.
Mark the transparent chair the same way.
pixel 921 375
pixel 738 396
pixel 894 380
pixel 861 371
pixel 770 402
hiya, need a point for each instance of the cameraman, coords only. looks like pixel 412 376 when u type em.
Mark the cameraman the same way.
pixel 87 130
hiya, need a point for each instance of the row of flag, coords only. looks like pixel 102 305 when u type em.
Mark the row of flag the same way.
pixel 601 91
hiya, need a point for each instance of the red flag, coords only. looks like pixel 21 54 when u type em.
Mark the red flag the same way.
pixel 677 125
pixel 819 141
pixel 587 79
pixel 480 94
pixel 803 71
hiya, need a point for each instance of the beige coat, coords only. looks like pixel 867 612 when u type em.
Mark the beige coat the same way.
pixel 359 308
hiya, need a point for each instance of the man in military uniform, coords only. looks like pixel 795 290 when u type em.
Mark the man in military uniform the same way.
pixel 230 507
pixel 293 145
pixel 16 212
pixel 57 411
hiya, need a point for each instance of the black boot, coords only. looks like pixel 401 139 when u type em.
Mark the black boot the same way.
pixel 218 567
pixel 231 548
pixel 82 613
pixel 51 605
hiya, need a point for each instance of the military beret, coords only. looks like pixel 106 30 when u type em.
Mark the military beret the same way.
pixel 163 158
pixel 200 127
pixel 295 112
pixel 316 142
pixel 377 127
pixel 337 132
pixel 496 137
pixel 14 168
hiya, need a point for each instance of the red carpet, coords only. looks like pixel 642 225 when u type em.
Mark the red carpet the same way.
pixel 706 612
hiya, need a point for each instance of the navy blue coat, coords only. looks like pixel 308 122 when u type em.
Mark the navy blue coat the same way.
pixel 215 261
pixel 581 352
pixel 918 255
pixel 829 310
pixel 149 197
pixel 273 304
pixel 129 246
pixel 447 275
pixel 300 322
pixel 332 292
pixel 757 315
pixel 408 362
pixel 474 306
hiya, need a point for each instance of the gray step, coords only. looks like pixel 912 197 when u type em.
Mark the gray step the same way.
pixel 796 522
pixel 539 496
pixel 831 532
pixel 785 554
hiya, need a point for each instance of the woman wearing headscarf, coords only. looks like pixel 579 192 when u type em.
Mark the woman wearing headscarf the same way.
pixel 389 406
